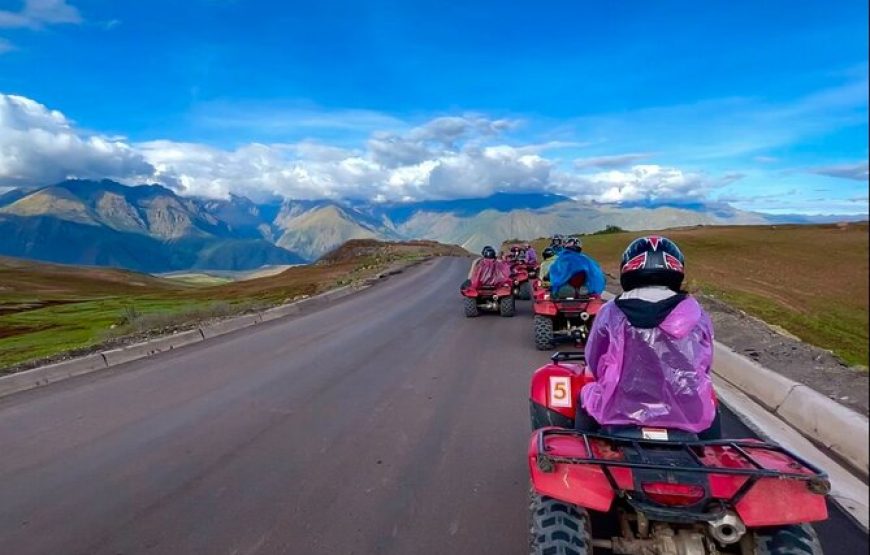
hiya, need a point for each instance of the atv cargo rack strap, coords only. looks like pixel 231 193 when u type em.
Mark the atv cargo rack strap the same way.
pixel 817 478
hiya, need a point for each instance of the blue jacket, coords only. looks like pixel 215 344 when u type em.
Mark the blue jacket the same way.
pixel 570 263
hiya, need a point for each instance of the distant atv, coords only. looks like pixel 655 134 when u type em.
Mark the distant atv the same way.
pixel 489 298
pixel 657 491
pixel 558 319
pixel 521 274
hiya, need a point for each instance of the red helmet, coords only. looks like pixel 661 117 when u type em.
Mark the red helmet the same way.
pixel 652 260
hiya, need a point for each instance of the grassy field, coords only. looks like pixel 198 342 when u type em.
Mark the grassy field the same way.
pixel 812 280
pixel 48 309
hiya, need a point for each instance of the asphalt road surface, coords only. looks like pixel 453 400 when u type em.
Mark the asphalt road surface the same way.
pixel 386 423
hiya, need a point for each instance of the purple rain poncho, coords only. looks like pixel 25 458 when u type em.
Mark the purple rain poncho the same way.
pixel 490 272
pixel 531 256
pixel 656 376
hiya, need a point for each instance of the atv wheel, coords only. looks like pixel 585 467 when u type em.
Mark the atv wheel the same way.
pixel 544 333
pixel 787 540
pixel 471 309
pixel 525 291
pixel 507 307
pixel 559 528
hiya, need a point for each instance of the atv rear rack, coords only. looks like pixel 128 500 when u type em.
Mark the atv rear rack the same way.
pixel 817 480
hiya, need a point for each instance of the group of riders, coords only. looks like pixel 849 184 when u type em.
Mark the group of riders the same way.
pixel 650 349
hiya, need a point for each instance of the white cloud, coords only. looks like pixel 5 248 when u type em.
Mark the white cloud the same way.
pixel 615 161
pixel 640 183
pixel 859 171
pixel 450 157
pixel 39 146
pixel 39 13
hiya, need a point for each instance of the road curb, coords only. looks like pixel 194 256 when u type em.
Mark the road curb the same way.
pixel 820 419
pixel 44 375
pixel 136 351
pixel 765 386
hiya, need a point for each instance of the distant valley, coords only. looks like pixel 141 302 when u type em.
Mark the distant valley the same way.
pixel 151 228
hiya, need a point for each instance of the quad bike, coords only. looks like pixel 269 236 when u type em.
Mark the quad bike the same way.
pixel 562 319
pixel 496 298
pixel 658 491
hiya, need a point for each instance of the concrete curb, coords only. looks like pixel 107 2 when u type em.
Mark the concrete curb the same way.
pixel 45 375
pixel 37 377
pixel 152 347
pixel 820 419
pixel 765 386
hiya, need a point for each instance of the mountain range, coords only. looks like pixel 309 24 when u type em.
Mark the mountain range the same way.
pixel 151 228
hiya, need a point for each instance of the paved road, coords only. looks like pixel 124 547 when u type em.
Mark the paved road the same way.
pixel 386 423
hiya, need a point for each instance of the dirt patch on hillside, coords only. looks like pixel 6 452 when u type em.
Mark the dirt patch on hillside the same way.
pixel 357 248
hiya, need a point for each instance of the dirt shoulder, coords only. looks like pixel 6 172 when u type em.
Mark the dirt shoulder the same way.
pixel 785 354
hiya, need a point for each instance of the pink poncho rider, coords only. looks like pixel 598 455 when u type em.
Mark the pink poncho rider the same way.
pixel 651 349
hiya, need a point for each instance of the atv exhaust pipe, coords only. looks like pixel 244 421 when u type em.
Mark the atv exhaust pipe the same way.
pixel 584 316
pixel 727 529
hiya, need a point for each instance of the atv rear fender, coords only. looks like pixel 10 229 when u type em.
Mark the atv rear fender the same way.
pixel 556 386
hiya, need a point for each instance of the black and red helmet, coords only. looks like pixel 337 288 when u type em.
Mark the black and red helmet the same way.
pixel 652 260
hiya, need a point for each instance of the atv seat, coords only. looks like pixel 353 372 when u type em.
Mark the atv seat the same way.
pixel 574 289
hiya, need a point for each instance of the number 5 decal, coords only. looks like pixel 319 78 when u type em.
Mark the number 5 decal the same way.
pixel 560 392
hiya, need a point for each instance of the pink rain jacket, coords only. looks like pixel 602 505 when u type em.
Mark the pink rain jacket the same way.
pixel 656 376
pixel 489 272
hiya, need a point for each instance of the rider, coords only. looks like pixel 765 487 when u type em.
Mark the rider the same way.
pixel 574 274
pixel 549 257
pixel 651 349
pixel 486 268
pixel 531 255
pixel 556 243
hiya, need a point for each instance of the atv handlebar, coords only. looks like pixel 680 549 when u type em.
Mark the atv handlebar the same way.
pixel 563 356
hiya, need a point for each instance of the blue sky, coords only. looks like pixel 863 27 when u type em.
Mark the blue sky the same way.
pixel 762 104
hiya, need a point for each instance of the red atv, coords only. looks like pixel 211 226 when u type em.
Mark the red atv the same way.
pixel 559 319
pixel 496 298
pixel 657 491
pixel 521 273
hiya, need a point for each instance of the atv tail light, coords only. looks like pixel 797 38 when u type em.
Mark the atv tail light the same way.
pixel 673 495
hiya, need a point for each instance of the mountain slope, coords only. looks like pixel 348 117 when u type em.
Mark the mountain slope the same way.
pixel 58 240
pixel 318 230
pixel 491 227
pixel 147 228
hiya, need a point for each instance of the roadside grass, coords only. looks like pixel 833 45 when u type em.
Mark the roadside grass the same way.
pixel 45 331
pixel 811 280
pixel 48 309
